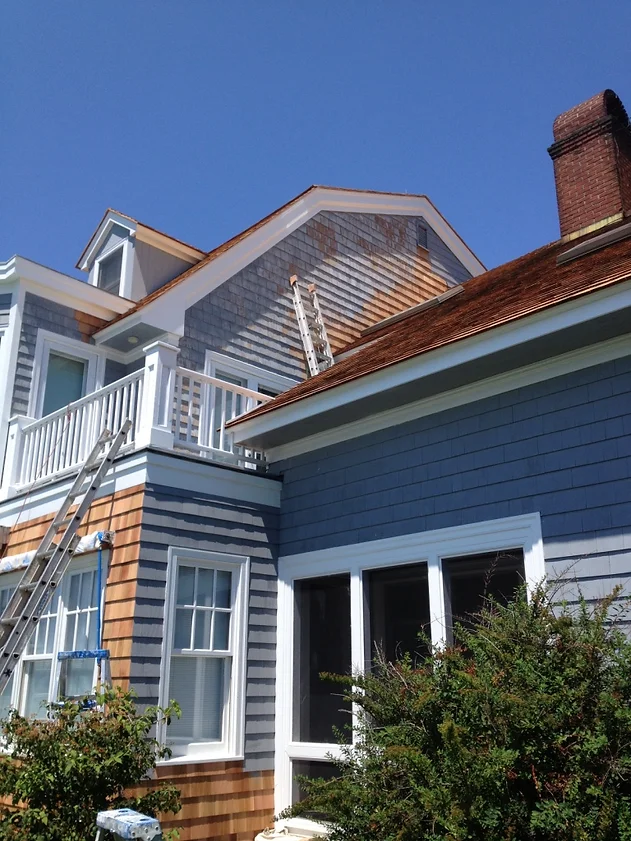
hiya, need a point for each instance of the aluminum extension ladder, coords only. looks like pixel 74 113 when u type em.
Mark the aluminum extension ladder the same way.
pixel 42 576
pixel 312 330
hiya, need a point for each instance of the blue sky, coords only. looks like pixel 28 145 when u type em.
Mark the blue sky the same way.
pixel 199 117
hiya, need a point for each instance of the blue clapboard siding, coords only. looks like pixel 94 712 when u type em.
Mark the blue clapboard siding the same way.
pixel 174 517
pixel 560 447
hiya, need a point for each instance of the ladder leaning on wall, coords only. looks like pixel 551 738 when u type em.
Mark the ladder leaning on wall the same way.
pixel 44 573
pixel 312 329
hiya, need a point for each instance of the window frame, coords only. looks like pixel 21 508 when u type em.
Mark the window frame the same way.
pixel 232 744
pixel 522 532
pixel 47 343
pixel 126 246
pixel 253 376
pixel 79 565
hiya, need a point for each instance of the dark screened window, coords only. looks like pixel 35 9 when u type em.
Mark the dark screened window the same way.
pixel 398 600
pixel 322 643
pixel 421 233
pixel 472 579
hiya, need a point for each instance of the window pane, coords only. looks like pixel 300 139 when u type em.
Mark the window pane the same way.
pixel 81 639
pixel 322 643
pixel 312 770
pixel 203 620
pixel 110 272
pixel 185 585
pixel 197 684
pixel 399 610
pixel 205 582
pixel 183 623
pixel 71 623
pixel 224 586
pixel 470 580
pixel 64 382
pixel 73 597
pixel 76 678
pixel 35 681
pixel 87 590
pixel 221 633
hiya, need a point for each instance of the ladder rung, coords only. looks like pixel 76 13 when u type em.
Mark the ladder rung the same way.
pixel 65 523
pixel 11 621
pixel 30 586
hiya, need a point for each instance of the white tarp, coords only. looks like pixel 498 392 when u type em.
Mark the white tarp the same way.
pixel 89 543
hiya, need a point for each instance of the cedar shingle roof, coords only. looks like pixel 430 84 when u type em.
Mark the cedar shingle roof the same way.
pixel 512 291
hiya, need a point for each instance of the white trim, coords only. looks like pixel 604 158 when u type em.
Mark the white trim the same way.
pixel 502 338
pixel 48 342
pixel 253 375
pixel 8 362
pixel 167 311
pixel 101 234
pixel 149 466
pixel 521 532
pixel 124 289
pixel 234 703
pixel 557 366
pixel 55 286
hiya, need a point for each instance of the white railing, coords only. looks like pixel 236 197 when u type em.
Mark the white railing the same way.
pixel 170 408
pixel 61 441
pixel 203 405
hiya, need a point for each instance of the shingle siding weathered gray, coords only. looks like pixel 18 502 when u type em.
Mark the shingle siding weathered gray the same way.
pixel 184 519
pixel 365 267
pixel 560 447
pixel 39 313
pixel 153 268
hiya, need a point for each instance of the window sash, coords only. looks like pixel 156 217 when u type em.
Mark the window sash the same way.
pixel 194 735
pixel 47 640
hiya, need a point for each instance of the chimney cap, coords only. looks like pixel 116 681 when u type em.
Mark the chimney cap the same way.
pixel 601 106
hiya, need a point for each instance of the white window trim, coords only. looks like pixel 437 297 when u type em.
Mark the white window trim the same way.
pixel 252 374
pixel 520 532
pixel 127 265
pixel 47 342
pixel 83 563
pixel 232 745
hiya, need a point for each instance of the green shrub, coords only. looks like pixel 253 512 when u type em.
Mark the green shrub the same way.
pixel 64 769
pixel 522 732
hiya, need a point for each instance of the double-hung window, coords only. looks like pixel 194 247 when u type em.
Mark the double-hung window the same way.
pixel 68 624
pixel 203 666
pixel 338 607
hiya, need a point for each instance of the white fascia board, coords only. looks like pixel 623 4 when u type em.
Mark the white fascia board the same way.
pixel 509 335
pixel 51 284
pixel 101 234
pixel 167 311
pixel 160 468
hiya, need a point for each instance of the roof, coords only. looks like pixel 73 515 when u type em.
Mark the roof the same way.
pixel 138 223
pixel 507 293
pixel 235 240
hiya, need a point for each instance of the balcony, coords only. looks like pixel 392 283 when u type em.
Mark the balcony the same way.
pixel 170 407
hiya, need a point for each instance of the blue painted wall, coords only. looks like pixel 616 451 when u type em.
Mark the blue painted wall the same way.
pixel 560 447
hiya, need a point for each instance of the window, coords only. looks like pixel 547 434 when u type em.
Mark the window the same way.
pixel 337 606
pixel 205 639
pixel 68 624
pixel 65 381
pixel 109 271
pixel 421 233
pixel 245 374
pixel 64 370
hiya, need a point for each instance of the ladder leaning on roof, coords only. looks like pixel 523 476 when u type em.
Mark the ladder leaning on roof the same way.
pixel 312 330
pixel 42 576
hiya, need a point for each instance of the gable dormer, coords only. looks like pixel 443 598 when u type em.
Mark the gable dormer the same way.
pixel 132 260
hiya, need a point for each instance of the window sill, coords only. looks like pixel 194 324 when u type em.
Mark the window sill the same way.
pixel 197 758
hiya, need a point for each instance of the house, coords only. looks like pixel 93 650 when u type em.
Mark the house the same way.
pixel 463 447
pixel 181 341
pixel 474 427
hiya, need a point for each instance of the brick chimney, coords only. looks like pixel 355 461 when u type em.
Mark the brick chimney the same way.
pixel 592 165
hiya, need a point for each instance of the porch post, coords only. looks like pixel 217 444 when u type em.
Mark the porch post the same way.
pixel 13 455
pixel 155 427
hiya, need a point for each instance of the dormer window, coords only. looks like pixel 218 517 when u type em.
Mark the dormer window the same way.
pixel 109 271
